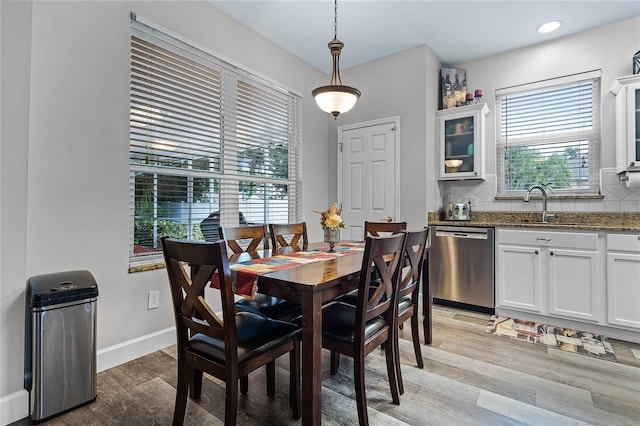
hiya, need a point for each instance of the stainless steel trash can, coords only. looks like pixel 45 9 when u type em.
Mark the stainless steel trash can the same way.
pixel 60 342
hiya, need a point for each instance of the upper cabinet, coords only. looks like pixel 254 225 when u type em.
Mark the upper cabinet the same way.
pixel 627 92
pixel 461 142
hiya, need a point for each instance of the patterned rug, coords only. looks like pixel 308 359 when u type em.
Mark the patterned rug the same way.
pixel 566 339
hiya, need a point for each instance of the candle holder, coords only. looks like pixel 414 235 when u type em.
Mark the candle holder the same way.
pixel 477 95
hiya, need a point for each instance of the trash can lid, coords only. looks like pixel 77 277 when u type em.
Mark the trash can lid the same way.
pixel 60 287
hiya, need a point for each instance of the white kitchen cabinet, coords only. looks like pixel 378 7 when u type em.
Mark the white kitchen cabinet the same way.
pixel 627 92
pixel 574 282
pixel 461 142
pixel 551 273
pixel 518 277
pixel 623 280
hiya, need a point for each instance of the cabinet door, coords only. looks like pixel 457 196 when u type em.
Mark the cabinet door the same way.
pixel 623 289
pixel 460 139
pixel 633 125
pixel 519 278
pixel 574 283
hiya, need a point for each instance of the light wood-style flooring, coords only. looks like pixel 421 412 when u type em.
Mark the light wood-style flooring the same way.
pixel 470 378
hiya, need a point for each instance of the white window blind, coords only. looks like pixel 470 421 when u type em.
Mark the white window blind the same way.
pixel 210 145
pixel 548 133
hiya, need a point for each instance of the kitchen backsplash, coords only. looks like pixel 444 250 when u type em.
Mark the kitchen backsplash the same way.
pixel 617 197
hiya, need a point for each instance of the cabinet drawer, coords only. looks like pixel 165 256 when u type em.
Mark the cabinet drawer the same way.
pixel 540 238
pixel 624 242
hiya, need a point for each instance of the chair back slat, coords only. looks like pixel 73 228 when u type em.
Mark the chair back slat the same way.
pixel 382 260
pixel 415 249
pixel 256 235
pixel 381 229
pixel 193 313
pixel 289 235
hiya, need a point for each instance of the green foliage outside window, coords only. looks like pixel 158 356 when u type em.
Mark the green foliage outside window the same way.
pixel 526 166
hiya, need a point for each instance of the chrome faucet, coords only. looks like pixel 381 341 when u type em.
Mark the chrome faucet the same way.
pixel 545 215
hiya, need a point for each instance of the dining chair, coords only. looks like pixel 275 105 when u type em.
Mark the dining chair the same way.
pixel 236 238
pixel 408 292
pixel 375 229
pixel 289 235
pixel 378 229
pixel 227 347
pixel 355 331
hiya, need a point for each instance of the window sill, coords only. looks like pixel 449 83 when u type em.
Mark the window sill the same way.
pixel 146 267
pixel 552 197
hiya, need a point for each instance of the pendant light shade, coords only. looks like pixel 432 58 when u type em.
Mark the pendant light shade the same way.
pixel 335 98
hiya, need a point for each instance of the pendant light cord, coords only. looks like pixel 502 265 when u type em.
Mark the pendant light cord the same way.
pixel 335 19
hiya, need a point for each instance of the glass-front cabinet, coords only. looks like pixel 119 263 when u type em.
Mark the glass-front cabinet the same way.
pixel 460 141
pixel 627 92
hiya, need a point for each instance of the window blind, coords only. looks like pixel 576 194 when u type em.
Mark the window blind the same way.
pixel 210 145
pixel 549 134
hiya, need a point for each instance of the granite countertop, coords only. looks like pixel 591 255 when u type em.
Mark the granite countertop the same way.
pixel 591 221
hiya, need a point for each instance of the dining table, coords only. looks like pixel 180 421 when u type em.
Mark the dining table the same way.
pixel 311 285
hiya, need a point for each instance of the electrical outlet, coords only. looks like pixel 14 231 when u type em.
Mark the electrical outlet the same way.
pixel 153 300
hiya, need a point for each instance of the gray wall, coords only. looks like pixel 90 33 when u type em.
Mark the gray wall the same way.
pixel 64 160
pixel 406 85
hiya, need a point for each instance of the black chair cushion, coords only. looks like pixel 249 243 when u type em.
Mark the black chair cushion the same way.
pixel 352 297
pixel 256 335
pixel 338 322
pixel 269 306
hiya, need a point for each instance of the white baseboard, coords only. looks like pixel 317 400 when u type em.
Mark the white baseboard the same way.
pixel 135 348
pixel 15 406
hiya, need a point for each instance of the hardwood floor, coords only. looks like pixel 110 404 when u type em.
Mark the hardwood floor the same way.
pixel 470 378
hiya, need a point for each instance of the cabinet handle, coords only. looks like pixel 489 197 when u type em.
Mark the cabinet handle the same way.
pixel 543 239
pixel 551 253
pixel 536 252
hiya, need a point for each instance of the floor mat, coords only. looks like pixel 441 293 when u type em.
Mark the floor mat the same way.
pixel 565 339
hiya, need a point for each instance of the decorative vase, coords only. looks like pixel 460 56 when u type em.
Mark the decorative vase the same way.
pixel 332 236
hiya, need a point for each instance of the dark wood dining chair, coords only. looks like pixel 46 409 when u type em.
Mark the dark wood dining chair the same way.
pixel 242 239
pixel 375 229
pixel 289 235
pixel 408 291
pixel 379 229
pixel 355 331
pixel 230 347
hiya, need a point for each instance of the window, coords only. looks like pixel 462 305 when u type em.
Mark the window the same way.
pixel 548 133
pixel 207 141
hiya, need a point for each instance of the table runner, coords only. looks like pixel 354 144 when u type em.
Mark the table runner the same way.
pixel 245 274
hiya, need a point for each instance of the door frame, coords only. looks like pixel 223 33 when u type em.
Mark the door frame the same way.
pixel 394 121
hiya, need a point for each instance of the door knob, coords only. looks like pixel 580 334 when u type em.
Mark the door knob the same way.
pixel 388 218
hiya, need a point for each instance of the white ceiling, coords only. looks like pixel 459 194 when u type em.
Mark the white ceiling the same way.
pixel 457 31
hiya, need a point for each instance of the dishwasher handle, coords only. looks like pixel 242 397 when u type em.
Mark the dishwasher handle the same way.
pixel 462 234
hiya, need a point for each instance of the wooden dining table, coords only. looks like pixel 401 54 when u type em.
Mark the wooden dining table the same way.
pixel 311 285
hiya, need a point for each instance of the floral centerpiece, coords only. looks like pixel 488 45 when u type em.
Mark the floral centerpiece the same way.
pixel 331 222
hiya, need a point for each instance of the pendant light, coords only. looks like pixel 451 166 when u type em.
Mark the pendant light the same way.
pixel 335 98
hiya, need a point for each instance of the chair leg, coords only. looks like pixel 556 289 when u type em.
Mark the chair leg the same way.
pixel 335 362
pixel 294 380
pixel 361 397
pixel 181 394
pixel 271 379
pixel 396 362
pixel 196 387
pixel 416 339
pixel 231 402
pixel 244 384
pixel 393 364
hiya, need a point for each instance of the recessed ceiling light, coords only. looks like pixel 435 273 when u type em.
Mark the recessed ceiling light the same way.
pixel 547 27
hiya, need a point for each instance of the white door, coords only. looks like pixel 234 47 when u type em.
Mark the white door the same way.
pixel 368 174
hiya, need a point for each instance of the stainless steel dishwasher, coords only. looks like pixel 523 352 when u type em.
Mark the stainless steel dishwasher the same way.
pixel 461 267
